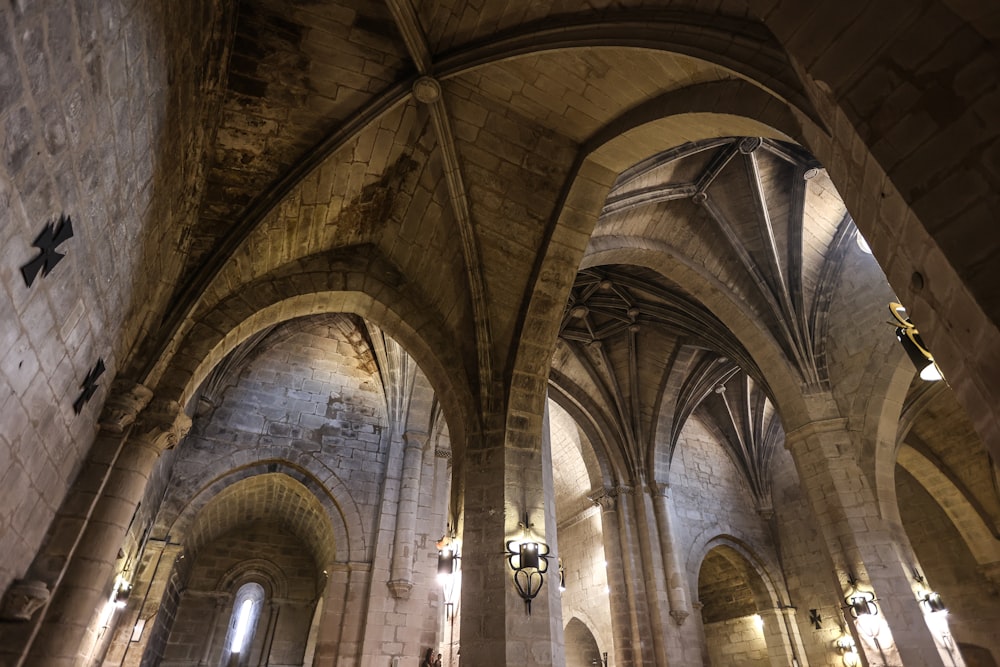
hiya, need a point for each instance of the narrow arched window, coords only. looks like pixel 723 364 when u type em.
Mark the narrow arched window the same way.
pixel 242 623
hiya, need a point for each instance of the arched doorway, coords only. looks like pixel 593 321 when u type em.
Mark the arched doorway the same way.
pixel 735 604
pixel 581 646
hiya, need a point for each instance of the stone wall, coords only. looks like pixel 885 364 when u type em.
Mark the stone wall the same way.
pixel 973 600
pixel 737 642
pixel 587 596
pixel 90 128
pixel 206 605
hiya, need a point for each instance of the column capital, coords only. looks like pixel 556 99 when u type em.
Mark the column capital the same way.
pixel 659 489
pixel 604 499
pixel 124 403
pixel 414 439
pixel 162 425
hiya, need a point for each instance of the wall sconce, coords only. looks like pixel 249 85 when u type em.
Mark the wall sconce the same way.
pixel 446 563
pixel 932 602
pixel 913 344
pixel 121 597
pixel 848 650
pixel 862 608
pixel 447 574
pixel 529 559
pixel 562 577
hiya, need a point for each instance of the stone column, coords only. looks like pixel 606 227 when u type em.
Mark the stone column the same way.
pixel 654 587
pixel 222 604
pixel 642 645
pixel 623 626
pixel 502 483
pixel 401 572
pixel 677 595
pixel 160 565
pixel 274 609
pixel 860 544
pixel 127 451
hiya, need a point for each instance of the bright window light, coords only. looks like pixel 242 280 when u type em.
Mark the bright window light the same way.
pixel 242 623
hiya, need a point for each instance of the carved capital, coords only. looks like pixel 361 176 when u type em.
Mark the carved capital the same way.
pixel 679 616
pixel 622 490
pixel 162 425
pixel 604 499
pixel 659 489
pixel 23 599
pixel 400 589
pixel 414 440
pixel 123 405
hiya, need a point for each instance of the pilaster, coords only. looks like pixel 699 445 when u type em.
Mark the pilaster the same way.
pixel 861 545
pixel 134 432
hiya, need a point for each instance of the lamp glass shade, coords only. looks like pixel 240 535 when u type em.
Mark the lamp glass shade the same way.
pixel 529 555
pixel 446 562
pixel 934 602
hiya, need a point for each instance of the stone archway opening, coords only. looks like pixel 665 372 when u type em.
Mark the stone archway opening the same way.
pixel 581 646
pixel 730 590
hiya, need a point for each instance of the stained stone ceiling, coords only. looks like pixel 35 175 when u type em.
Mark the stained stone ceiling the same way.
pixel 305 81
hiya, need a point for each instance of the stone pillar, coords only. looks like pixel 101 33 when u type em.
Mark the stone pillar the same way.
pixel 222 605
pixel 502 483
pixel 623 626
pixel 160 559
pixel 631 553
pixel 274 609
pixel 654 587
pixel 127 451
pixel 860 543
pixel 401 572
pixel 677 595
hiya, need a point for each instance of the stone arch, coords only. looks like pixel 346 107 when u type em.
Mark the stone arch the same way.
pixel 709 540
pixel 595 425
pixel 582 649
pixel 697 112
pixel 358 282
pixel 982 541
pixel 262 492
pixel 909 214
pixel 257 570
pixel 879 450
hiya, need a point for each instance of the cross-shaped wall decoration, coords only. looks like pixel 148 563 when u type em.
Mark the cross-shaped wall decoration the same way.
pixel 52 235
pixel 815 618
pixel 89 386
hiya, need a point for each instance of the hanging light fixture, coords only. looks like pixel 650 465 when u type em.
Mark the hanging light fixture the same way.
pixel 562 577
pixel 529 559
pixel 913 345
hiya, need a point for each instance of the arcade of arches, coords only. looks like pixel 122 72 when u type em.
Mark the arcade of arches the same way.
pixel 295 294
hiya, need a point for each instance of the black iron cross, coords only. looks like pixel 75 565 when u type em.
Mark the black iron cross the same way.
pixel 89 386
pixel 815 618
pixel 50 238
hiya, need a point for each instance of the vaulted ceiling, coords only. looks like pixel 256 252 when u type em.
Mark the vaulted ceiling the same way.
pixel 324 137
